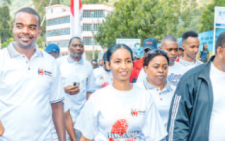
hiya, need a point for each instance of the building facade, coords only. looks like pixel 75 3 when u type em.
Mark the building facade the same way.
pixel 58 25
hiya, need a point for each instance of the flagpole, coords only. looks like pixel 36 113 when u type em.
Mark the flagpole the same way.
pixel 77 18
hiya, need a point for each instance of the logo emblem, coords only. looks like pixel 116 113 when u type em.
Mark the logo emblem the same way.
pixel 44 72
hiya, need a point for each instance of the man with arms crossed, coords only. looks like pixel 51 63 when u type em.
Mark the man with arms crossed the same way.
pixel 30 85
pixel 197 108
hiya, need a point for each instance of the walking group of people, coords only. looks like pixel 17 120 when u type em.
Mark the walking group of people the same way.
pixel 166 95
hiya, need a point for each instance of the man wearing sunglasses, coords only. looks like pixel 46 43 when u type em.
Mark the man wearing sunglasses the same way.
pixel 148 44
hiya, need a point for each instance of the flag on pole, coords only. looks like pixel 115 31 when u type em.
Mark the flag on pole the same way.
pixel 75 18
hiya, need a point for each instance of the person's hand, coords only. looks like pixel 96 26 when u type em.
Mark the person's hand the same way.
pixel 72 89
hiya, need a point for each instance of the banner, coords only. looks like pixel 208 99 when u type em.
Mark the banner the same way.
pixel 219 17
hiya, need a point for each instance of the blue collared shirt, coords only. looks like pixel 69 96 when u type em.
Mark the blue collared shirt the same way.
pixel 162 97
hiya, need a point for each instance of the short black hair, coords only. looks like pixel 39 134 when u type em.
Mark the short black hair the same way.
pixel 105 57
pixel 94 60
pixel 169 38
pixel 150 56
pixel 189 34
pixel 74 38
pixel 114 47
pixel 220 41
pixel 29 11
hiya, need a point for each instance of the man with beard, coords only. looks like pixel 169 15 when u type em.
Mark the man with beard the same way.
pixel 30 85
pixel 78 78
pixel 190 44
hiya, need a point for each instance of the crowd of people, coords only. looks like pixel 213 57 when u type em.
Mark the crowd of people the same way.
pixel 168 94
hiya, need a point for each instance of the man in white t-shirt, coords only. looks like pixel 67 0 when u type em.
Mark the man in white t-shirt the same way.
pixel 30 85
pixel 190 44
pixel 197 108
pixel 78 78
pixel 170 45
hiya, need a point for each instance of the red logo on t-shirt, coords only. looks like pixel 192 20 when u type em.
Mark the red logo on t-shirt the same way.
pixel 120 127
pixel 120 131
pixel 134 113
pixel 40 72
pixel 105 84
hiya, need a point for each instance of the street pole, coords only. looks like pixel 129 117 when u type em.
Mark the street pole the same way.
pixel 93 48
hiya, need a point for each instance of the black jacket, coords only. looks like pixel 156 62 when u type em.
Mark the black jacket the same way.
pixel 191 106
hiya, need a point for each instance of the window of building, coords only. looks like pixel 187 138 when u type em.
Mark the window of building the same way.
pixel 93 14
pixel 88 27
pixel 88 41
pixel 58 32
pixel 57 21
pixel 60 43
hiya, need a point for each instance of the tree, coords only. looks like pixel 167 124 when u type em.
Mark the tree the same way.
pixel 148 18
pixel 7 42
pixel 207 16
pixel 135 19
pixel 5 28
pixel 40 42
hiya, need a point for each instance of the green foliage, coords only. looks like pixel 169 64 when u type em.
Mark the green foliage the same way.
pixel 7 42
pixel 5 2
pixel 144 19
pixel 5 28
pixel 40 42
pixel 207 16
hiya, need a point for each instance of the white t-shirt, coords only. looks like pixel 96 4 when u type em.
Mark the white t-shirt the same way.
pixel 102 77
pixel 189 65
pixel 217 122
pixel 162 98
pixel 82 73
pixel 113 115
pixel 175 72
pixel 27 89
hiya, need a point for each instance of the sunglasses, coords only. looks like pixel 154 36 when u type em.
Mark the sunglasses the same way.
pixel 153 51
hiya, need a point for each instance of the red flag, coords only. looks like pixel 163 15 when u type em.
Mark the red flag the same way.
pixel 72 6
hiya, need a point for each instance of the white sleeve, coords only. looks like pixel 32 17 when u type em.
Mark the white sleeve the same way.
pixel 56 93
pixel 142 75
pixel 91 82
pixel 87 121
pixel 153 129
pixel 66 104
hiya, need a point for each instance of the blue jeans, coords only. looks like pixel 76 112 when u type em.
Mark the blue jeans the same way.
pixel 78 134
